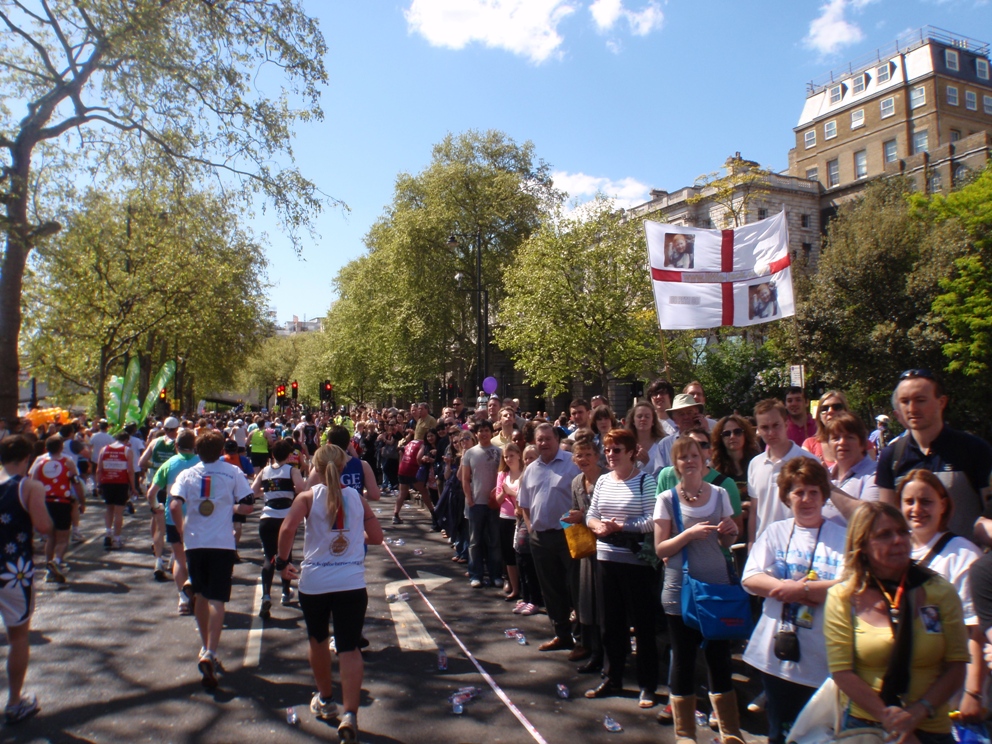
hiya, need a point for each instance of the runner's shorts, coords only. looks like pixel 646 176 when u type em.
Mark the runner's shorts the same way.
pixel 348 609
pixel 210 571
pixel 115 494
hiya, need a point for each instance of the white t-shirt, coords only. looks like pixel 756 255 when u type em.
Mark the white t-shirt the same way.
pixel 828 562
pixel 218 482
pixel 762 485
pixel 953 564
pixel 97 442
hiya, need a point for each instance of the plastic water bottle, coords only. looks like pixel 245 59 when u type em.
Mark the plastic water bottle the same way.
pixel 702 720
pixel 521 638
pixel 442 659
pixel 399 541
pixel 418 551
pixel 291 718
pixel 563 691
pixel 969 733
pixel 780 569
pixel 611 725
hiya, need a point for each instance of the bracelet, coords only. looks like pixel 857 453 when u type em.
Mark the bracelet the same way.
pixel 806 587
pixel 927 706
pixel 976 695
pixel 281 563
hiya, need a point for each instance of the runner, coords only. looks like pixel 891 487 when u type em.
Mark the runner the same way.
pixel 22 510
pixel 115 477
pixel 60 480
pixel 212 492
pixel 158 451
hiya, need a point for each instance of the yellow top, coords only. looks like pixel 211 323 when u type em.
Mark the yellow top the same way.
pixel 939 637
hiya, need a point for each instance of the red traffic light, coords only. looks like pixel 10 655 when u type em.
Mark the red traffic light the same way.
pixel 163 394
pixel 295 385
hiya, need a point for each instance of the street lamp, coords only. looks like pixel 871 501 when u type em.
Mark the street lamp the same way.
pixel 481 311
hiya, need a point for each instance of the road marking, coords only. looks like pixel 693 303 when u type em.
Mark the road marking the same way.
pixel 253 648
pixel 528 726
pixel 411 634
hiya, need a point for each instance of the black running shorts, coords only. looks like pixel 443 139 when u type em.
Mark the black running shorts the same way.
pixel 348 609
pixel 210 571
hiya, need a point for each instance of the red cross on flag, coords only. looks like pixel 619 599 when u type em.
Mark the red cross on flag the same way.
pixel 710 278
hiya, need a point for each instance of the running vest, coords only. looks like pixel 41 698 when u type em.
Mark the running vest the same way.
pixel 162 449
pixel 113 461
pixel 277 490
pixel 54 476
pixel 353 475
pixel 333 556
pixel 15 534
pixel 258 443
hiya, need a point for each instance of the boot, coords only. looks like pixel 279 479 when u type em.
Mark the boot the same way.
pixel 684 713
pixel 725 706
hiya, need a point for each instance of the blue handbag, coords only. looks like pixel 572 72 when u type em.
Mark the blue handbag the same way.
pixel 720 612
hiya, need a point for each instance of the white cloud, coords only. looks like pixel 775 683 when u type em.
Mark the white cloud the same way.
pixel 831 30
pixel 528 28
pixel 606 14
pixel 581 187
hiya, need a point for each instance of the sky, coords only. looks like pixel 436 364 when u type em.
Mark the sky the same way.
pixel 617 96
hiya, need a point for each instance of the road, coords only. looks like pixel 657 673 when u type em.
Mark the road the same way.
pixel 112 661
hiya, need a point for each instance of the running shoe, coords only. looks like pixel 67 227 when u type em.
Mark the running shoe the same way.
pixel 160 571
pixel 207 668
pixel 287 597
pixel 475 583
pixel 129 507
pixel 184 607
pixel 77 536
pixel 23 709
pixel 265 612
pixel 54 575
pixel 188 590
pixel 118 544
pixel 107 542
pixel 348 729
pixel 63 566
pixel 321 708
pixel 396 519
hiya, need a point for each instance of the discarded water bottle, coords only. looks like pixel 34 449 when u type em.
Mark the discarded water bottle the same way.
pixel 969 733
pixel 442 659
pixel 401 597
pixel 611 725
pixel 511 632
pixel 418 551
pixel 702 720
pixel 399 541
pixel 521 638
pixel 388 540
pixel 563 691
pixel 457 707
pixel 291 718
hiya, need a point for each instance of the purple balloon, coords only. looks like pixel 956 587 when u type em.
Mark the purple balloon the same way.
pixel 489 385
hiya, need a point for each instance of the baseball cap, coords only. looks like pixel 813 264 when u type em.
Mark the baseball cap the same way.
pixel 171 423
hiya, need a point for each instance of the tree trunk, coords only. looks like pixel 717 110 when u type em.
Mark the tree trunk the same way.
pixel 101 402
pixel 18 245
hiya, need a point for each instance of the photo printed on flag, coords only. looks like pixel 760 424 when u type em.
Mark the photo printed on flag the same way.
pixel 710 278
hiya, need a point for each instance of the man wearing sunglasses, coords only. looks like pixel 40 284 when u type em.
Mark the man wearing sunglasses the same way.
pixel 961 461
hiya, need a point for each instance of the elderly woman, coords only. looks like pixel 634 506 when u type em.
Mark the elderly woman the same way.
pixel 620 515
pixel 853 471
pixel 792 565
pixel 925 503
pixel 708 527
pixel 896 641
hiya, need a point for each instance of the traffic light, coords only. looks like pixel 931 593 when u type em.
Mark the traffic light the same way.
pixel 325 390
pixel 280 393
pixel 295 389
pixel 163 394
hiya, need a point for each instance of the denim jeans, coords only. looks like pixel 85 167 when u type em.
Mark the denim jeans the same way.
pixel 483 531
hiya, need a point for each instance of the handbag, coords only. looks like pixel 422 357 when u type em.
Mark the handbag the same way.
pixel 581 540
pixel 720 612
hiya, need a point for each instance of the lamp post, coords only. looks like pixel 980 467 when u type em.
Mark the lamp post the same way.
pixel 481 311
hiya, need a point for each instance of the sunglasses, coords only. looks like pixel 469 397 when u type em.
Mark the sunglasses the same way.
pixel 832 407
pixel 911 374
pixel 728 433
pixel 703 445
pixel 614 450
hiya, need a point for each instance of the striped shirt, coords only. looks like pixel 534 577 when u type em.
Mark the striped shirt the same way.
pixel 630 502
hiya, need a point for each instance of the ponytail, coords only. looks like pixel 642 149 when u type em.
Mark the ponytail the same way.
pixel 334 497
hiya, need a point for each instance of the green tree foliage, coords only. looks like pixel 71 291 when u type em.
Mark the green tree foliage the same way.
pixel 177 81
pixel 578 301
pixel 156 275
pixel 742 182
pixel 400 319
pixel 274 361
pixel 736 373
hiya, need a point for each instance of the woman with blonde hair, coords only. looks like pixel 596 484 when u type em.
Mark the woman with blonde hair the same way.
pixel 896 641
pixel 338 525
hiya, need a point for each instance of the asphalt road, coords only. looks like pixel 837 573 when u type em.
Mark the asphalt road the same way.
pixel 112 661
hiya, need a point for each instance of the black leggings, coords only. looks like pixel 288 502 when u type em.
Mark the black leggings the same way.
pixel 268 532
pixel 685 641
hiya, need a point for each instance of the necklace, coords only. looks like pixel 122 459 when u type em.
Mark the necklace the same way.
pixel 690 499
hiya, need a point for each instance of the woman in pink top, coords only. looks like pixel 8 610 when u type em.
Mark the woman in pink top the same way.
pixel 511 467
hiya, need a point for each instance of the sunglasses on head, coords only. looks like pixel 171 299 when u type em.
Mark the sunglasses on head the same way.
pixel 911 374
pixel 727 433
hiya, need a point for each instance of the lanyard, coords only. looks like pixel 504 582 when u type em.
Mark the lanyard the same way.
pixel 893 604
pixel 816 544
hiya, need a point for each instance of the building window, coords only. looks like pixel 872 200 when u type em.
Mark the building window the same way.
pixel 836 93
pixel 807 249
pixel 861 164
pixel 830 130
pixel 812 174
pixel 960 174
pixel 890 150
pixel 951 60
pixel 935 183
pixel 857 118
pixel 804 220
pixel 971 100
pixel 883 73
pixel 762 213
pixel 921 142
pixel 810 138
pixel 982 68
pixel 987 104
pixel 917 97
pixel 858 84
pixel 888 107
pixel 955 135
pixel 952 95
pixel 833 173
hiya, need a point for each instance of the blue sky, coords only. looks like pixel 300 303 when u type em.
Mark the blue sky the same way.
pixel 619 96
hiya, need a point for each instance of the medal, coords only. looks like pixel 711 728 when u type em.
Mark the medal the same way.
pixel 206 506
pixel 340 543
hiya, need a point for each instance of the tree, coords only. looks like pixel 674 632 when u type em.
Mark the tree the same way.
pixel 736 190
pixel 169 80
pixel 578 300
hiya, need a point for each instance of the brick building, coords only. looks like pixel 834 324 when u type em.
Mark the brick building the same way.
pixel 921 107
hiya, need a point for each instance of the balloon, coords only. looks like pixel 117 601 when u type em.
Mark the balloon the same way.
pixel 489 385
